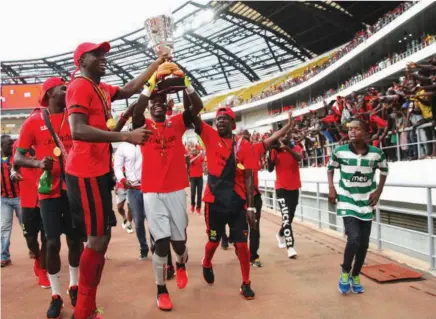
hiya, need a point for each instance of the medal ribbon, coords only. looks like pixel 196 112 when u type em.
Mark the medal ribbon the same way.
pixel 102 97
pixel 56 135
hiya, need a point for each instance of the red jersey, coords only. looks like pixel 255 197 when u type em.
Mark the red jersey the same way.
pixel 29 186
pixel 9 189
pixel 35 133
pixel 287 169
pixel 196 169
pixel 163 169
pixel 218 151
pixel 88 159
pixel 258 152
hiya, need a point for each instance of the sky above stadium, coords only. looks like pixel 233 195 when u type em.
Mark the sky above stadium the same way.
pixel 40 28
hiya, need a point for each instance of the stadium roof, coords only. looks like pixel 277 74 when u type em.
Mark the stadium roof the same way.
pixel 224 45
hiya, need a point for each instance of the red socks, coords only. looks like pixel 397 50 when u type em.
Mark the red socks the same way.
pixel 91 268
pixel 209 251
pixel 244 260
pixel 243 256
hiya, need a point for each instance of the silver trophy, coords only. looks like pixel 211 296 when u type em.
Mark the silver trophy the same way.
pixel 170 79
pixel 160 34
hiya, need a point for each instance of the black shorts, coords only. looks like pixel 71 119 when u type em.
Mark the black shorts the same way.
pixel 217 217
pixel 32 222
pixel 56 217
pixel 91 204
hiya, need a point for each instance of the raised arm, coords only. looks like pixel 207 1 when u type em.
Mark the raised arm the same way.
pixel 272 155
pixel 283 131
pixel 196 104
pixel 124 117
pixel 135 85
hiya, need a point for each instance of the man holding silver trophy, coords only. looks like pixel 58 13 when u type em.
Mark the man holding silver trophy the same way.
pixel 164 177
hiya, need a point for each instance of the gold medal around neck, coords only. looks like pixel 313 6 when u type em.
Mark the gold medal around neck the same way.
pixel 57 151
pixel 111 124
pixel 240 166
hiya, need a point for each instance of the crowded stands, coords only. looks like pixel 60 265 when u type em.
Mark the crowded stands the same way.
pixel 398 117
pixel 315 69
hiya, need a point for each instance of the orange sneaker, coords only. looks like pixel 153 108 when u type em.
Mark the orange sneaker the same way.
pixel 198 211
pixel 43 280
pixel 181 275
pixel 164 302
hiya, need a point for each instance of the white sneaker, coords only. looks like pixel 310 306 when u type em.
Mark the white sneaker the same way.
pixel 124 224
pixel 129 227
pixel 281 240
pixel 292 253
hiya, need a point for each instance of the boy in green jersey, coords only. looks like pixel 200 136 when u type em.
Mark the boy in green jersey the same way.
pixel 356 198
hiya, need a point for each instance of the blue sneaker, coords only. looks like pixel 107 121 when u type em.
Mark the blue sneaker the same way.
pixel 356 286
pixel 344 283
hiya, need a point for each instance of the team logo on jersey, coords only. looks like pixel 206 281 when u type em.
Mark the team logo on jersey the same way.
pixel 44 128
pixel 359 178
pixel 169 124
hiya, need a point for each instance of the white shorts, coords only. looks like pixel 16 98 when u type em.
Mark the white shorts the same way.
pixel 121 195
pixel 166 215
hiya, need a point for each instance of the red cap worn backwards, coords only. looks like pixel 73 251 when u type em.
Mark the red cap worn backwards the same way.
pixel 48 85
pixel 88 47
pixel 229 112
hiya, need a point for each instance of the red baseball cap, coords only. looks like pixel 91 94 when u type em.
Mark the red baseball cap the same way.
pixel 88 47
pixel 47 85
pixel 229 112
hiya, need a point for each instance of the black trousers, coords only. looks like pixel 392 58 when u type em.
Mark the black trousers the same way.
pixel 254 234
pixel 288 201
pixel 358 233
pixel 196 188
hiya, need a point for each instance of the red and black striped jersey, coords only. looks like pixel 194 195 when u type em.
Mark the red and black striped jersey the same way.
pixel 9 189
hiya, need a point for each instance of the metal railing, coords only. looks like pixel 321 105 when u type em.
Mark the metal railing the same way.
pixel 267 186
pixel 322 154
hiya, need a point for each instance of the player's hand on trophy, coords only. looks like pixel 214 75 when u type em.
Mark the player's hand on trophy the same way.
pixel 162 59
pixel 167 69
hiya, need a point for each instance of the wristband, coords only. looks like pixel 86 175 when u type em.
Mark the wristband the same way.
pixel 147 92
pixel 189 89
pixel 251 209
pixel 123 116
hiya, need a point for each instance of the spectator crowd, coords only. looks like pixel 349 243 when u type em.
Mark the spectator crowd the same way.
pixel 400 119
pixel 311 71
